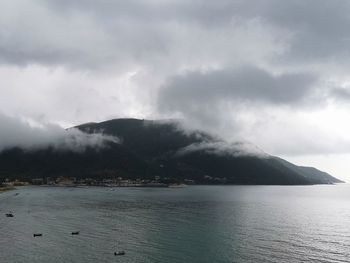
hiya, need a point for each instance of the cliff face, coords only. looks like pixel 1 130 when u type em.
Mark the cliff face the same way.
pixel 153 148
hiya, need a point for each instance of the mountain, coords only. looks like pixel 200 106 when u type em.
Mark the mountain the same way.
pixel 160 148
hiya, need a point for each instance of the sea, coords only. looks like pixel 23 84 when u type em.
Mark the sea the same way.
pixel 165 225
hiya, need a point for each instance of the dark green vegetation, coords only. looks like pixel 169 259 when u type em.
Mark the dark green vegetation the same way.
pixel 151 148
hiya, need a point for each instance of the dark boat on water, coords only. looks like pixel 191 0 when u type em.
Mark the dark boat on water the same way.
pixel 75 233
pixel 9 215
pixel 37 235
pixel 119 253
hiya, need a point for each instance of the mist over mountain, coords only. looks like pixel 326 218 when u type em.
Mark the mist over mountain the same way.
pixel 28 136
pixel 145 149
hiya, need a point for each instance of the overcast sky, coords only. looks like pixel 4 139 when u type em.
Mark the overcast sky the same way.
pixel 271 72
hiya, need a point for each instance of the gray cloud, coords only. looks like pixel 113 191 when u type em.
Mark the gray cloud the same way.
pixel 98 33
pixel 247 84
pixel 340 94
pixel 320 28
pixel 253 104
pixel 236 103
pixel 80 35
pixel 17 133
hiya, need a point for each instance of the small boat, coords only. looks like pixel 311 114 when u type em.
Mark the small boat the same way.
pixel 75 233
pixel 119 253
pixel 9 215
pixel 37 235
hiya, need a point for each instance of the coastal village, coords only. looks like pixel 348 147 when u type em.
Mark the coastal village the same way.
pixel 69 181
pixel 110 182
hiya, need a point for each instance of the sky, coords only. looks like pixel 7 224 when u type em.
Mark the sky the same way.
pixel 270 72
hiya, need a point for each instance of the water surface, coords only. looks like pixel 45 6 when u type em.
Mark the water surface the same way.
pixel 193 224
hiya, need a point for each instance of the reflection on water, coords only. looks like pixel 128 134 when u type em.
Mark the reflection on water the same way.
pixel 193 224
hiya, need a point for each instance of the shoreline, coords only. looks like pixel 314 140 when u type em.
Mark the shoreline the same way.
pixel 5 189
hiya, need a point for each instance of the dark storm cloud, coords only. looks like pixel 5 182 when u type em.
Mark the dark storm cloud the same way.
pixel 247 84
pixel 320 27
pixel 340 94
pixel 79 34
pixel 97 33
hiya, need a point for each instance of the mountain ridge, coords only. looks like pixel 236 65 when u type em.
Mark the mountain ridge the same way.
pixel 149 149
pixel 117 127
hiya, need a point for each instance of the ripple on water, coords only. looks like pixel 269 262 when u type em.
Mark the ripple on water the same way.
pixel 194 224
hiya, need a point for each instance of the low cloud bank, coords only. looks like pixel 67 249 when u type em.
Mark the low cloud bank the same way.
pixel 236 149
pixel 22 134
pixel 210 142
